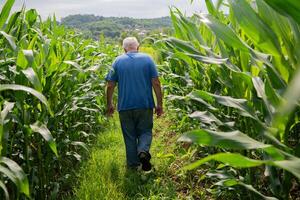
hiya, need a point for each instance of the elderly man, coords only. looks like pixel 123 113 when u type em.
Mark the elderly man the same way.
pixel 136 75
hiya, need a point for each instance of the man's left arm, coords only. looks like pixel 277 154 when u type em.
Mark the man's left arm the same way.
pixel 109 97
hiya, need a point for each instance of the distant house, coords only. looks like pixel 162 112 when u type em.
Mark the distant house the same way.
pixel 142 32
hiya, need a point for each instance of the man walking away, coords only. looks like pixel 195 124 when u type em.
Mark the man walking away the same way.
pixel 135 74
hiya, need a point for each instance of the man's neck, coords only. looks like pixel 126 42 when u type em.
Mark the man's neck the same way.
pixel 132 51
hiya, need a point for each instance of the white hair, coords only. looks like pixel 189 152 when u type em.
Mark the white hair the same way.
pixel 130 43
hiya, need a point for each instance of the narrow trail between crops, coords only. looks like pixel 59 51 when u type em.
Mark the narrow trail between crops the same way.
pixel 104 175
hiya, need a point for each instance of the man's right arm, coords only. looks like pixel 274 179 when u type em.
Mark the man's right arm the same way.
pixel 109 97
pixel 112 79
pixel 159 96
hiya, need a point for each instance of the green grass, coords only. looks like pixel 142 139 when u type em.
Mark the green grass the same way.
pixel 104 175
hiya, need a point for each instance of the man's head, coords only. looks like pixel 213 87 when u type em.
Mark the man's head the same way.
pixel 130 44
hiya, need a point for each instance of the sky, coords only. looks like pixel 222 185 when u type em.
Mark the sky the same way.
pixel 118 8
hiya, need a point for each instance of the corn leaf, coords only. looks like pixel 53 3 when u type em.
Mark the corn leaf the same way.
pixel 224 32
pixel 260 90
pixel 35 93
pixel 232 159
pixel 42 129
pixel 5 12
pixel 211 8
pixel 206 117
pixel 10 39
pixel 18 174
pixel 183 46
pixel 239 161
pixel 235 182
pixel 33 78
pixel 289 8
pixel 7 108
pixel 239 104
pixel 292 165
pixel 4 190
pixel 12 21
pixel 261 34
pixel 74 64
pixel 229 140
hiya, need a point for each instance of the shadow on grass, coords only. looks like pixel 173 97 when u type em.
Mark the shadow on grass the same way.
pixel 140 185
pixel 115 171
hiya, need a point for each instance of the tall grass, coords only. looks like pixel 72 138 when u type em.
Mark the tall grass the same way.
pixel 234 80
pixel 51 103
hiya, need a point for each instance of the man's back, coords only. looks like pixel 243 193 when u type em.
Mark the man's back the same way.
pixel 134 71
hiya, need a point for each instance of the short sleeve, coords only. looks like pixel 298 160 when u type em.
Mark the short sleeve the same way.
pixel 112 74
pixel 153 68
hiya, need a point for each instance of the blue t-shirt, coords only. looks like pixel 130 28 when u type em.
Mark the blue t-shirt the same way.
pixel 133 72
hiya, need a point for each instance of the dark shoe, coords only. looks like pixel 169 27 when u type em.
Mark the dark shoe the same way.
pixel 145 160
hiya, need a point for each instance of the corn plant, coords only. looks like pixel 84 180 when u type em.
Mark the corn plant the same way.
pixel 51 100
pixel 236 75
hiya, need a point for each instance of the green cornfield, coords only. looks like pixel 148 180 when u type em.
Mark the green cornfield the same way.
pixel 231 80
pixel 52 102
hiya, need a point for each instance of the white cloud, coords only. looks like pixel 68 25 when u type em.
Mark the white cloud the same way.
pixel 129 8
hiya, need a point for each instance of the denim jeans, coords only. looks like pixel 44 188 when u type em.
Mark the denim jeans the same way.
pixel 137 132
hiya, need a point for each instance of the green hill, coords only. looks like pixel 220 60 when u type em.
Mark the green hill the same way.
pixel 113 27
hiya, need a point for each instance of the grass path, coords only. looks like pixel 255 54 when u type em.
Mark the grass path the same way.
pixel 104 175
